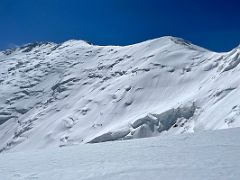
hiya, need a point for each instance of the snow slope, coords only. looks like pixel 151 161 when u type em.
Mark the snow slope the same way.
pixel 213 155
pixel 54 95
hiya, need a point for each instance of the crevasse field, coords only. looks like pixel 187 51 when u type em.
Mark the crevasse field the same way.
pixel 58 99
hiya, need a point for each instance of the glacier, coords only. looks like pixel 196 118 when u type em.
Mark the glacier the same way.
pixel 57 95
pixel 207 155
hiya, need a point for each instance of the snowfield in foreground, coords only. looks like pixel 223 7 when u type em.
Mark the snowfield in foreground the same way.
pixel 55 95
pixel 212 155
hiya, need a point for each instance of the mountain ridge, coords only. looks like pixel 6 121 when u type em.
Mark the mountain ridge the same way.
pixel 74 92
pixel 173 38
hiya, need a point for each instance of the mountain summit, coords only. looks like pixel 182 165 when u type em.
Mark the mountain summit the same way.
pixel 76 92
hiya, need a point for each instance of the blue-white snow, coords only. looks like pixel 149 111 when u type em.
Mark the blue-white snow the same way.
pixel 213 155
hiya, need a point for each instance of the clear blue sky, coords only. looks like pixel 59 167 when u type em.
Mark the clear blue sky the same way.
pixel 213 24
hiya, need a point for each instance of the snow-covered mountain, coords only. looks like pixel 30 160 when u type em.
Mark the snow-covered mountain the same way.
pixel 74 92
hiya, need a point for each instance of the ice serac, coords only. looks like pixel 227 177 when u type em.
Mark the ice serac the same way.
pixel 75 92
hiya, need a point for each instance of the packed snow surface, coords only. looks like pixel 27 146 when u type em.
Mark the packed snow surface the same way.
pixel 55 95
pixel 213 155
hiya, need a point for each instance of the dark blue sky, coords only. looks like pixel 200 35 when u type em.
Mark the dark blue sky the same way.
pixel 214 24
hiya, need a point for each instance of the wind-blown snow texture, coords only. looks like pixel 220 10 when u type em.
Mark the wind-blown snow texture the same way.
pixel 74 92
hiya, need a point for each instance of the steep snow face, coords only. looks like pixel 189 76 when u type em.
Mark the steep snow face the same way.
pixel 71 93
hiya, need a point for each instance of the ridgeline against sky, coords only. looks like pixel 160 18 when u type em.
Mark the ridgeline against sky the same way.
pixel 209 23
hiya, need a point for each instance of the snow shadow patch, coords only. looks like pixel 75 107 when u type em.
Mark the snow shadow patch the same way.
pixel 150 125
